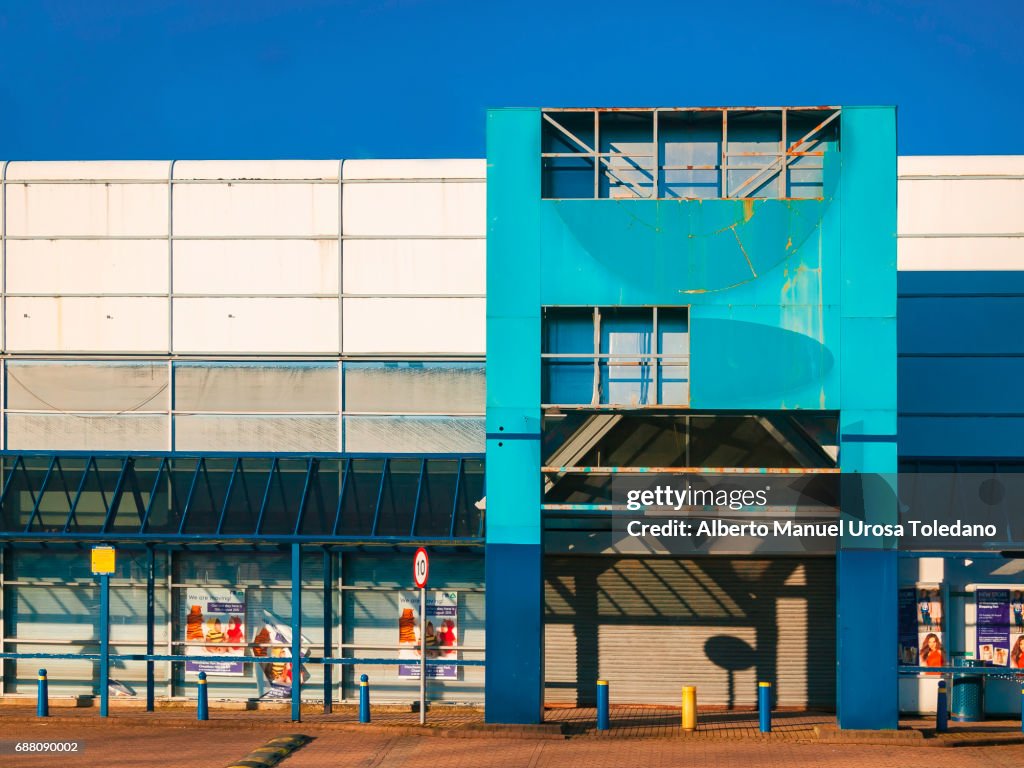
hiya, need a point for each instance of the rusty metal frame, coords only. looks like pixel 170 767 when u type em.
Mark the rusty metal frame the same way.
pixel 777 167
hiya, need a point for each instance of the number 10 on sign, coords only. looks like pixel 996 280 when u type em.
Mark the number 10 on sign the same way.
pixel 420 568
pixel 420 571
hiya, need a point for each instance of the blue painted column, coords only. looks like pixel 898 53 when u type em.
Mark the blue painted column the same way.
pixel 328 629
pixel 104 644
pixel 296 633
pixel 514 678
pixel 866 570
pixel 150 625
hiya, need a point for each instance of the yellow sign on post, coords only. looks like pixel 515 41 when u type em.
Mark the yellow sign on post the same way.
pixel 103 559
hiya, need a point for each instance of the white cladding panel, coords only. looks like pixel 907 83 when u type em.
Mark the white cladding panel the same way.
pixel 86 324
pixel 961 253
pixel 232 210
pixel 102 209
pixel 960 206
pixel 297 434
pixel 414 326
pixel 256 266
pixel 960 165
pixel 87 266
pixel 942 199
pixel 454 208
pixel 75 386
pixel 75 432
pixel 256 169
pixel 256 326
pixel 92 170
pixel 415 169
pixel 415 266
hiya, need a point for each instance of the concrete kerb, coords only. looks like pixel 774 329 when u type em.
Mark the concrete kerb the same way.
pixel 273 752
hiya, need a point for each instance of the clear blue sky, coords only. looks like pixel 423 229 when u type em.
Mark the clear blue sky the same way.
pixel 399 78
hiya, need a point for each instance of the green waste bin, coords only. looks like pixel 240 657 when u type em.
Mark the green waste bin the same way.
pixel 967 700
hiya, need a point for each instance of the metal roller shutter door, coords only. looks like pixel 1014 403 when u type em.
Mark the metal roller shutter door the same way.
pixel 652 625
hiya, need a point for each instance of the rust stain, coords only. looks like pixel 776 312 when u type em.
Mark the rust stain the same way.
pixel 748 209
pixel 789 243
pixel 744 251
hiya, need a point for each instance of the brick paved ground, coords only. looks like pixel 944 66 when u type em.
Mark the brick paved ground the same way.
pixel 174 738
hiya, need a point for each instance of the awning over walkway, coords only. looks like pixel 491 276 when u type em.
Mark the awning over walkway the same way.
pixel 244 498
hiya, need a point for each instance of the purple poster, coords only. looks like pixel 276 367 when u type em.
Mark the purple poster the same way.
pixel 993 625
pixel 908 626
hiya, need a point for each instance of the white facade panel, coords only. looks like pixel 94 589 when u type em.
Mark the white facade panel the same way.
pixel 960 206
pixel 86 324
pixel 412 434
pixel 415 169
pixel 960 165
pixel 75 432
pixel 961 253
pixel 415 266
pixel 415 209
pixel 414 326
pixel 77 386
pixel 87 266
pixel 230 387
pixel 92 170
pixel 256 326
pixel 256 169
pixel 256 266
pixel 229 210
pixel 262 434
pixel 119 210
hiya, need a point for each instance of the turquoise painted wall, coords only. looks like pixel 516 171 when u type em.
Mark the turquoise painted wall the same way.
pixel 792 306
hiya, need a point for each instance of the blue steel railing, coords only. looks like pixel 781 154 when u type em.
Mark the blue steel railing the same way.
pixel 334 660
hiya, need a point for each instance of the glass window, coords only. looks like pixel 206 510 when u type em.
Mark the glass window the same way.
pixel 629 356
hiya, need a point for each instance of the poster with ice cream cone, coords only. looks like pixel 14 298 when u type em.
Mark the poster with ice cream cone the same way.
pixel 441 633
pixel 215 626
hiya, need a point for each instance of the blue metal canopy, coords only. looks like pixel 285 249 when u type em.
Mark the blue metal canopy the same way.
pixel 245 498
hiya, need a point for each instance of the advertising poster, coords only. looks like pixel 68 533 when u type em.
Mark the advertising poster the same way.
pixel 994 618
pixel 907 623
pixel 441 632
pixel 273 641
pixel 215 625
pixel 920 626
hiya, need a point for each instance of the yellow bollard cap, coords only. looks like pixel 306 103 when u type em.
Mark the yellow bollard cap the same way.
pixel 764 685
pixel 602 682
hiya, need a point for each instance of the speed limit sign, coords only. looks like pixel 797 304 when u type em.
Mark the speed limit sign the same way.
pixel 420 568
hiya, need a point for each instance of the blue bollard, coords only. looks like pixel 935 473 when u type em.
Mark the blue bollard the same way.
pixel 602 705
pixel 942 709
pixel 1022 709
pixel 43 697
pixel 203 708
pixel 764 707
pixel 364 699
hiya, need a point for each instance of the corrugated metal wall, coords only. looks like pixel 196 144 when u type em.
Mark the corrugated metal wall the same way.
pixel 211 259
pixel 652 625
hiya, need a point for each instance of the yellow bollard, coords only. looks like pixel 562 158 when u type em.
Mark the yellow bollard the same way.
pixel 689 708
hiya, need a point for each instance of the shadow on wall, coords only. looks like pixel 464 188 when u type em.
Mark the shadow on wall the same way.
pixel 652 625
